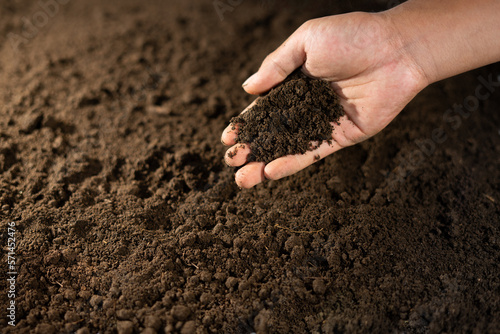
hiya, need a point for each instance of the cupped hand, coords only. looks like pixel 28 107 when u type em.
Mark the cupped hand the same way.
pixel 363 57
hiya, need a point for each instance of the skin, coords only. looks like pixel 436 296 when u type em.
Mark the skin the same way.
pixel 376 63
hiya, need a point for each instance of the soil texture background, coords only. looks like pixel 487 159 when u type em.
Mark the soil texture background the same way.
pixel 128 221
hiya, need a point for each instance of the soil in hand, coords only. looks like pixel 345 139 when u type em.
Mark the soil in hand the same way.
pixel 291 119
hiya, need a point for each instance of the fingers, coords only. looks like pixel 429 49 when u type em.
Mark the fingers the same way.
pixel 278 65
pixel 230 133
pixel 237 155
pixel 250 175
pixel 254 173
pixel 291 164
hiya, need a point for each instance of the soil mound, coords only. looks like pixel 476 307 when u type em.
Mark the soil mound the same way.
pixel 291 119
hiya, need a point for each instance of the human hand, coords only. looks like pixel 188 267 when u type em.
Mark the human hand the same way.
pixel 365 60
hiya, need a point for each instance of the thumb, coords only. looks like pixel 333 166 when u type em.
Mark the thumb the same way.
pixel 278 65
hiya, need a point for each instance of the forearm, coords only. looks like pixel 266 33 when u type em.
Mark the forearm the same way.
pixel 448 37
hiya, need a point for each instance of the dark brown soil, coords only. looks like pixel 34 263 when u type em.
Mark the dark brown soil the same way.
pixel 128 221
pixel 291 119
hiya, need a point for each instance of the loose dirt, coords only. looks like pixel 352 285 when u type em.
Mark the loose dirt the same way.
pixel 292 118
pixel 128 221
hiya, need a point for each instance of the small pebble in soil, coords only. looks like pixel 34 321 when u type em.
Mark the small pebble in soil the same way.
pixel 181 312
pixel 83 330
pixel 152 321
pixel 189 327
pixel 319 286
pixel 125 327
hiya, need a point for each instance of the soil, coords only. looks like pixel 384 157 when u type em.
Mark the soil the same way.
pixel 293 118
pixel 128 221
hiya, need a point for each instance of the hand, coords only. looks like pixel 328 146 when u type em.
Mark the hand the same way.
pixel 363 57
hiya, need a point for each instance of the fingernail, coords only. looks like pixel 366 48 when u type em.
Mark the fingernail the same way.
pixel 247 81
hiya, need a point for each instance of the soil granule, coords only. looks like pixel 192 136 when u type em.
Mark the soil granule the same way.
pixel 292 118
pixel 128 221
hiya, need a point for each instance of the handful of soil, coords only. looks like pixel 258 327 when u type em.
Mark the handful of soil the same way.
pixel 287 119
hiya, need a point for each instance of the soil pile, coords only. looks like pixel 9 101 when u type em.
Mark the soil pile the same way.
pixel 291 119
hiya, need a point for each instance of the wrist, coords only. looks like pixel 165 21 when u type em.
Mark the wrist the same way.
pixel 410 54
pixel 448 37
pixel 412 42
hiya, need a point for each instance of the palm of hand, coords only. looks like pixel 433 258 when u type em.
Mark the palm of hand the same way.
pixel 360 56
